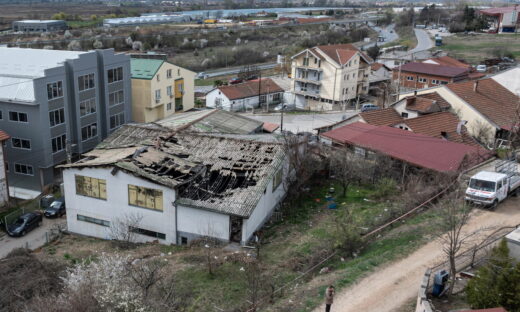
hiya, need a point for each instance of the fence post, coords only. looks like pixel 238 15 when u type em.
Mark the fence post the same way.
pixel 46 237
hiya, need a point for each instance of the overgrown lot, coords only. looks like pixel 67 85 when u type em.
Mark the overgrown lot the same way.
pixel 474 48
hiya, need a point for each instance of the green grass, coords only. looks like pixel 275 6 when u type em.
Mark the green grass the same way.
pixel 475 48
pixel 83 24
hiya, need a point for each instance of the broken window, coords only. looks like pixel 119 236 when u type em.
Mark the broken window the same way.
pixel 145 197
pixel 277 180
pixel 91 187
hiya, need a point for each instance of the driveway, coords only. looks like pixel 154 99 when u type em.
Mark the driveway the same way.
pixel 32 240
pixel 396 284
pixel 303 122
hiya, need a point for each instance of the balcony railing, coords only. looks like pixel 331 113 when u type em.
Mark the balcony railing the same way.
pixel 303 67
pixel 306 80
pixel 312 92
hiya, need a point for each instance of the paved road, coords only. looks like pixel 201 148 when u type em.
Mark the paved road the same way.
pixel 424 42
pixel 303 122
pixel 34 239
pixel 234 70
pixel 388 33
pixel 392 286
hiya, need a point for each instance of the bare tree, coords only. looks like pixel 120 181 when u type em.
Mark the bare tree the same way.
pixel 124 229
pixel 344 167
pixel 454 215
pixel 146 275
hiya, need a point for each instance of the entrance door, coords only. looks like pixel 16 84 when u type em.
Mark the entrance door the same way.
pixel 236 229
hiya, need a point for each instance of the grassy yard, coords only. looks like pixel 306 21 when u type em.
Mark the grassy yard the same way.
pixel 475 48
pixel 292 245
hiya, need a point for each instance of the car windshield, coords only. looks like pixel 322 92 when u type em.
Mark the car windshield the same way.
pixel 55 205
pixel 482 185
pixel 19 221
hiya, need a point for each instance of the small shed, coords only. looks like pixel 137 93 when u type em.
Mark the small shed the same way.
pixel 513 243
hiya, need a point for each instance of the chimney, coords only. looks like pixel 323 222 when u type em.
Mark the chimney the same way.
pixel 460 124
pixel 475 86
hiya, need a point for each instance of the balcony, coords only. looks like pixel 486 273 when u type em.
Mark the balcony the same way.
pixel 307 80
pixel 308 92
pixel 303 67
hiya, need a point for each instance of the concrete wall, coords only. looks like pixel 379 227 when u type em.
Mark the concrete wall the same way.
pixel 400 107
pixel 194 223
pixel 116 205
pixel 238 104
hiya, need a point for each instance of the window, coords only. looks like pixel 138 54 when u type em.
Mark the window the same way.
pixel 6 164
pixel 145 197
pixel 305 61
pixel 423 80
pixel 169 73
pixel 277 179
pixel 158 79
pixel 87 107
pixel 21 143
pixel 178 72
pixel 442 82
pixel 169 90
pixel 181 87
pixel 184 240
pixel 435 81
pixel 57 117
pixel 23 169
pixel 86 82
pixel 16 116
pixel 169 106
pixel 359 151
pixel 404 115
pixel 157 95
pixel 91 187
pixel 262 99
pixel 116 98
pixel 319 63
pixel 58 143
pixel 93 220
pixel 148 233
pixel 54 90
pixel 88 132
pixel 1 117
pixel 276 96
pixel 409 78
pixel 117 120
pixel 115 74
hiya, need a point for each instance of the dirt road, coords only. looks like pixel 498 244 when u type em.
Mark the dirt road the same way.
pixel 387 289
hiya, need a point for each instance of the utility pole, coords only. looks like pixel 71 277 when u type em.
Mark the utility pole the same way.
pixel 68 151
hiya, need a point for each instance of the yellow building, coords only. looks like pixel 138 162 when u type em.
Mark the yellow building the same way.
pixel 160 89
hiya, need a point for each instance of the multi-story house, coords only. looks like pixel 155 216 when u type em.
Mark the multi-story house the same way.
pixel 160 89
pixel 55 105
pixel 330 76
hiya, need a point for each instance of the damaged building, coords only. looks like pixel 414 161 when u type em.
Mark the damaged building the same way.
pixel 180 186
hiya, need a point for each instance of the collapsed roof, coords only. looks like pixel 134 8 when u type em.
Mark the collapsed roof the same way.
pixel 218 173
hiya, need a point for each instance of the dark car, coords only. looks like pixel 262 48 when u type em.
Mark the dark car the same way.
pixel 56 209
pixel 24 224
pixel 235 80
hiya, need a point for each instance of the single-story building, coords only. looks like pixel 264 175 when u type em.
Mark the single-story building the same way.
pixel 416 75
pixel 417 150
pixel 502 19
pixel 247 95
pixel 178 186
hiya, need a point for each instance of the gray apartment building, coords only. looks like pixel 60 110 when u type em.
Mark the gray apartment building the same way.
pixel 55 105
pixel 39 25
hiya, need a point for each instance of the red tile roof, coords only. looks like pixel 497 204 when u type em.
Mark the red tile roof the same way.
pixel 490 98
pixel 377 66
pixel 250 89
pixel 417 149
pixel 436 124
pixel 382 117
pixel 4 136
pixel 341 53
pixel 500 10
pixel 427 103
pixel 449 61
pixel 270 127
pixel 432 69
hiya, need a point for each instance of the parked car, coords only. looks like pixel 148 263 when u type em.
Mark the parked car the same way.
pixel 46 201
pixel 368 107
pixel 202 75
pixel 481 68
pixel 24 224
pixel 235 80
pixel 56 209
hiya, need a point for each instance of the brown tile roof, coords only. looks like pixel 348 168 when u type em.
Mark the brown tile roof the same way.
pixel 427 103
pixel 436 123
pixel 341 53
pixel 432 69
pixel 250 88
pixel 376 66
pixel 381 117
pixel 449 61
pixel 490 98
pixel 4 136
pixel 270 127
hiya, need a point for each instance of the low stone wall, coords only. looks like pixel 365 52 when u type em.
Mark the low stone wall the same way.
pixel 423 305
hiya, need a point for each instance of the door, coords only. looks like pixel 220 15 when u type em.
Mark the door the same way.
pixel 502 190
pixel 236 229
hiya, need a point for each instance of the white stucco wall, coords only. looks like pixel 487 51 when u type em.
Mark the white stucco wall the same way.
pixel 116 205
pixel 203 222
pixel 400 107
pixel 236 105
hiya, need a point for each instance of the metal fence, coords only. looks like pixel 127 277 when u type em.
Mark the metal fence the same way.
pixel 28 206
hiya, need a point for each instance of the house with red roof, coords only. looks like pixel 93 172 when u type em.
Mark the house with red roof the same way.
pixel 418 75
pixel 415 149
pixel 247 95
pixel 488 108
pixel 329 76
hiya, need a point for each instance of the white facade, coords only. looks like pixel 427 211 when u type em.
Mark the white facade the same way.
pixel 4 189
pixel 179 223
pixel 217 99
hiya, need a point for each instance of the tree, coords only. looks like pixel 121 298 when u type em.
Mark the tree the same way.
pixel 347 236
pixel 344 168
pixel 124 230
pixel 373 51
pixel 497 283
pixel 454 215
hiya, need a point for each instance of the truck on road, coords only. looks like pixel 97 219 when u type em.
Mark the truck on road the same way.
pixel 488 188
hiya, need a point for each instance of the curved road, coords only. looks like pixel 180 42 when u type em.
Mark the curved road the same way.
pixel 424 42
pixel 392 286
